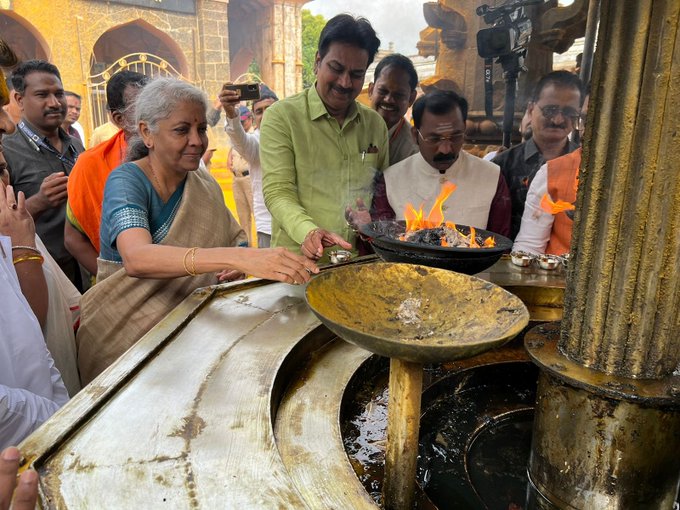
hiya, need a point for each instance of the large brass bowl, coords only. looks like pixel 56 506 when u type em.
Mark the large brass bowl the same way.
pixel 415 313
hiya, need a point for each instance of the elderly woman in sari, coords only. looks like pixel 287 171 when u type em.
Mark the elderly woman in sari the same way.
pixel 165 230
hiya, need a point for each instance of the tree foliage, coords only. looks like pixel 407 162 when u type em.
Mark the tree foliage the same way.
pixel 311 29
pixel 254 68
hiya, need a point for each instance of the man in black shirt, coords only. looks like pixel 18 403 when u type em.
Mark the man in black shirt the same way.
pixel 555 109
pixel 40 155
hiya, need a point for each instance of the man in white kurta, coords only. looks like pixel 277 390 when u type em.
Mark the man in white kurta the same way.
pixel 31 389
pixel 414 181
pixel 481 198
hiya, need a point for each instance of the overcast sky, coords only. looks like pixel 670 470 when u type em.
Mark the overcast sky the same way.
pixel 397 21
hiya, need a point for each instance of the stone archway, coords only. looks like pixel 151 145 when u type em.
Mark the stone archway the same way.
pixel 23 37
pixel 135 37
pixel 135 46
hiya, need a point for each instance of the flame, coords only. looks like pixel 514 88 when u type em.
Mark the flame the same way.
pixel 416 219
pixel 473 238
pixel 551 207
pixel 436 216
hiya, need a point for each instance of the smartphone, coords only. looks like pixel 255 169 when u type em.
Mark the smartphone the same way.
pixel 248 91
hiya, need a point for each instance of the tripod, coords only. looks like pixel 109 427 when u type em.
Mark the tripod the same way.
pixel 511 64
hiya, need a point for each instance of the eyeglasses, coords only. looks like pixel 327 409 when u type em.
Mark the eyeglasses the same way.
pixel 551 111
pixel 436 139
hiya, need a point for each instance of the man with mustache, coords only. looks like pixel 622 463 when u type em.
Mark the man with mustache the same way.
pixel 40 156
pixel 554 109
pixel 71 125
pixel 391 95
pixel 481 197
pixel 544 230
pixel 320 149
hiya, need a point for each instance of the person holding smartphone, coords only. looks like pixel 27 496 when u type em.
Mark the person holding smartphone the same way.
pixel 247 144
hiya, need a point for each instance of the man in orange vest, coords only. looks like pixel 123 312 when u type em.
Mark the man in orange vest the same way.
pixel 554 108
pixel 88 177
pixel 548 218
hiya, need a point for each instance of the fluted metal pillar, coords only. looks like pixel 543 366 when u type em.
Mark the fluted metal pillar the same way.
pixel 607 427
pixel 622 304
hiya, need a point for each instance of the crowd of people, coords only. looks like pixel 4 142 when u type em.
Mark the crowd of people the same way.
pixel 137 222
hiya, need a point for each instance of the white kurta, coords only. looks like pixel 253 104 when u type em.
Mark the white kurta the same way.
pixel 414 181
pixel 31 389
pixel 536 226
pixel 248 146
pixel 62 312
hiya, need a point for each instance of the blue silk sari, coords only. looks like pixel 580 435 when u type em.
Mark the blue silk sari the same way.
pixel 120 309
pixel 130 201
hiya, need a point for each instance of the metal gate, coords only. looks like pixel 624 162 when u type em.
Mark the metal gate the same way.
pixel 144 63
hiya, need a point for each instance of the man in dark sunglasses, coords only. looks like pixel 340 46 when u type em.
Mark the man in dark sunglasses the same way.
pixel 546 224
pixel 555 111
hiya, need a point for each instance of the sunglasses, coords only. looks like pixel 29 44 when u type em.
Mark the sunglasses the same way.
pixel 552 111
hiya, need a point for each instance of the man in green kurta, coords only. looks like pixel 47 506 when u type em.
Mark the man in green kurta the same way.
pixel 320 149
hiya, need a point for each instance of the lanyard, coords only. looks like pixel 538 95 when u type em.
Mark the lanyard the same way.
pixel 66 160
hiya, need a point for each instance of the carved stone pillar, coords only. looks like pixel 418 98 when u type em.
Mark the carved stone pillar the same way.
pixel 285 52
pixel 213 41
pixel 607 429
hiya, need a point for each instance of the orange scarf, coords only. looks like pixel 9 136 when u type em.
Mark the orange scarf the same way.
pixel 87 180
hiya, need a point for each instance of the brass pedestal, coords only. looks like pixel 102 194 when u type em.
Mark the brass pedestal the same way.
pixel 600 441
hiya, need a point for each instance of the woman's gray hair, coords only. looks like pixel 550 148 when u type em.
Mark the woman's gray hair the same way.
pixel 156 102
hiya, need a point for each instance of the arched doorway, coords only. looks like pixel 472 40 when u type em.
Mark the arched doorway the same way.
pixel 135 46
pixel 244 44
pixel 23 38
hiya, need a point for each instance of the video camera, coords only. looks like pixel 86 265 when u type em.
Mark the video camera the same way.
pixel 507 41
pixel 510 31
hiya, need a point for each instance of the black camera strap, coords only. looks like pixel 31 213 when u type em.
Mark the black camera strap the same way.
pixel 488 87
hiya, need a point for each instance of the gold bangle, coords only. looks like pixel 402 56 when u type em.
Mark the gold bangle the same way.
pixel 26 258
pixel 193 262
pixel 29 248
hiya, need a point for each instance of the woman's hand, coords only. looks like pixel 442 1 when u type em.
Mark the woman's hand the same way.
pixel 15 221
pixel 230 275
pixel 230 100
pixel 278 264
pixel 318 239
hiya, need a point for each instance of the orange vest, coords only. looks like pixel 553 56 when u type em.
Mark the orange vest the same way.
pixel 562 182
pixel 87 180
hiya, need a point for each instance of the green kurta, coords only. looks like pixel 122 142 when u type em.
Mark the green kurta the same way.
pixel 313 168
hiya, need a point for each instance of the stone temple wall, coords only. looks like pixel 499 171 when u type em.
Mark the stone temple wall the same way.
pixel 69 30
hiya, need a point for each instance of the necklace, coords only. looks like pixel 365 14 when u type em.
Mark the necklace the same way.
pixel 155 178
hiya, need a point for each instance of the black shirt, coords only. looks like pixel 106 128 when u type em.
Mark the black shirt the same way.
pixel 28 165
pixel 519 165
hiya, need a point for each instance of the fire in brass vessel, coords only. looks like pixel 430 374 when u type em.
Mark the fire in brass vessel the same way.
pixel 384 236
